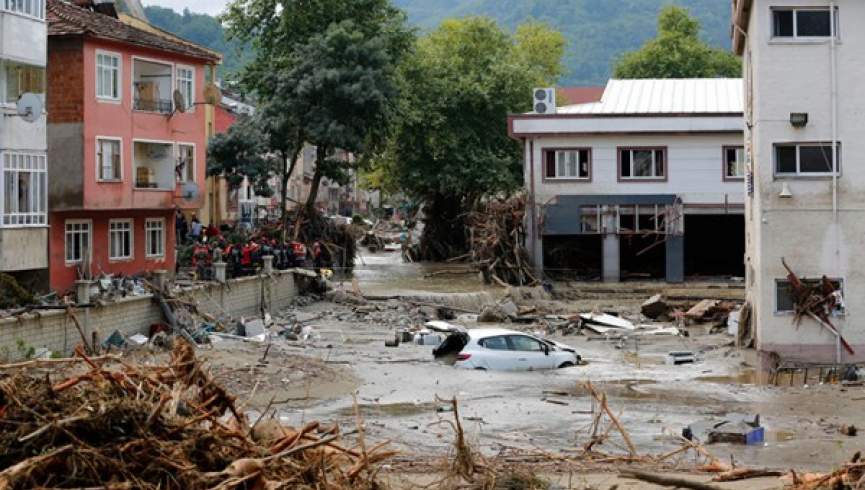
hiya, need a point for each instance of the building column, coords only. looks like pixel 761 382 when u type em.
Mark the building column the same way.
pixel 675 258
pixel 611 268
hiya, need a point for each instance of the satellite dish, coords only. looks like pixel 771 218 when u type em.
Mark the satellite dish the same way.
pixel 29 107
pixel 179 101
pixel 212 94
pixel 190 190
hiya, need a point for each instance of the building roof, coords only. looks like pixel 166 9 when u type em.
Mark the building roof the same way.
pixel 66 19
pixel 665 97
pixel 579 95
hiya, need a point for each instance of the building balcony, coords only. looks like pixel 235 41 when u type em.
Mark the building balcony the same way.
pixel 152 82
pixel 154 166
pixel 23 249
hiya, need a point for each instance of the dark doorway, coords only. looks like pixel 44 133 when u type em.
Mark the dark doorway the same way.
pixel 715 245
pixel 643 255
pixel 577 257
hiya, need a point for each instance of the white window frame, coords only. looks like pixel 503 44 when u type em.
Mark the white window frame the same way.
pixel 66 233
pixel 651 149
pixel 833 24
pixel 119 70
pixel 36 164
pixel 190 101
pixel 559 165
pixel 177 156
pixel 36 5
pixel 130 228
pixel 4 82
pixel 100 139
pixel 798 174
pixel 148 227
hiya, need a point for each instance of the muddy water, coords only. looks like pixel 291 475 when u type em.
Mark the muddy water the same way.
pixel 385 273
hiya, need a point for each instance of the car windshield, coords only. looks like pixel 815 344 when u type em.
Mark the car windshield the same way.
pixel 523 343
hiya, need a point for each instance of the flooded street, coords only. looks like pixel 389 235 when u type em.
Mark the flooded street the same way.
pixel 402 393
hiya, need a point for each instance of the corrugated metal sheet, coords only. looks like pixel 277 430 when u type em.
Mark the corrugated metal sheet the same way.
pixel 668 96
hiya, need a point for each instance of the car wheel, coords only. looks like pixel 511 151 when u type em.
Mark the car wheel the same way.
pixel 480 369
pixel 566 365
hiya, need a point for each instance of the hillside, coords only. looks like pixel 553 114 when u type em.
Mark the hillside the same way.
pixel 597 31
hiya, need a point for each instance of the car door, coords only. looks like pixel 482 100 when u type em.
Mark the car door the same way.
pixel 530 353
pixel 496 353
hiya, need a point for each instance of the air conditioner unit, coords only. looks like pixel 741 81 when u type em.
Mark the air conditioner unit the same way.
pixel 544 100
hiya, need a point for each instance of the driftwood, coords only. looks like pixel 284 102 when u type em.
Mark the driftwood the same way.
pixel 666 481
pixel 497 242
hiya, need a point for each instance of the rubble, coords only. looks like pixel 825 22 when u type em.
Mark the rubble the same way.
pixel 655 307
pixel 165 426
pixel 497 243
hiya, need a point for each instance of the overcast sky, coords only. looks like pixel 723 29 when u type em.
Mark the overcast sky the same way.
pixel 211 7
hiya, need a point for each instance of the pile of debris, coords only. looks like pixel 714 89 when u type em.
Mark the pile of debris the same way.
pixel 160 426
pixel 497 242
pixel 817 300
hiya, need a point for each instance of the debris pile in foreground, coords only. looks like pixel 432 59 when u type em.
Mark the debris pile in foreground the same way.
pixel 165 426
pixel 497 242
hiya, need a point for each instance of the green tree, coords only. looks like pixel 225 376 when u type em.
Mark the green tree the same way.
pixel 450 146
pixel 677 52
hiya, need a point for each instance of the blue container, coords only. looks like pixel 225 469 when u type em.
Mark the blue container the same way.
pixel 755 436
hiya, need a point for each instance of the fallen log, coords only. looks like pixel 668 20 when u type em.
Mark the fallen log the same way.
pixel 666 481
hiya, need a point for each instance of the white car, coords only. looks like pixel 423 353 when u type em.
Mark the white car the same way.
pixel 497 349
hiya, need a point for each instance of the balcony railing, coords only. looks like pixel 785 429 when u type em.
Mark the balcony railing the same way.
pixel 153 105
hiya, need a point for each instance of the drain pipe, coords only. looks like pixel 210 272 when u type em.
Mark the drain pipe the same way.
pixel 834 102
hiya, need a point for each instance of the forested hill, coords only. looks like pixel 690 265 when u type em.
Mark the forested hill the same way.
pixel 597 31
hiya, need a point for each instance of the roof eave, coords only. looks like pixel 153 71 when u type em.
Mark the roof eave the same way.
pixel 741 19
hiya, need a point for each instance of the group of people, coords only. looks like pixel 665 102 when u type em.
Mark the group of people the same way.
pixel 192 231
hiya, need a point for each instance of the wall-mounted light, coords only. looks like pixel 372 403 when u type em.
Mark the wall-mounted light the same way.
pixel 799 119
pixel 785 192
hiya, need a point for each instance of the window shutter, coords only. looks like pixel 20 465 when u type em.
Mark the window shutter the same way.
pixel 551 164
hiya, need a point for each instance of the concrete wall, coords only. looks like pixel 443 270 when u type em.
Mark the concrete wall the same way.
pixel 784 77
pixel 23 248
pixel 55 331
pixel 22 38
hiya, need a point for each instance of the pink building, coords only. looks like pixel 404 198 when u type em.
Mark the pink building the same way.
pixel 122 157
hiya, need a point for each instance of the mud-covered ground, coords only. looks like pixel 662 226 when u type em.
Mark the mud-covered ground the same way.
pixel 400 391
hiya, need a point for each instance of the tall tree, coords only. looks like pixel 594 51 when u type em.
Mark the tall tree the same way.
pixel 330 63
pixel 450 147
pixel 677 52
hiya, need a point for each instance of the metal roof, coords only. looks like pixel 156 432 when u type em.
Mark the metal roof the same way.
pixel 666 96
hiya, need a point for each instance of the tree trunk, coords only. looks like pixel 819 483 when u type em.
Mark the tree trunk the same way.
pixel 321 155
pixel 287 170
pixel 444 234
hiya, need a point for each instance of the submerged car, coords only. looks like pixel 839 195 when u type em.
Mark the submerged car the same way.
pixel 501 350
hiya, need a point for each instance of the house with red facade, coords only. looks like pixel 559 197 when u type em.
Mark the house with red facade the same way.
pixel 125 156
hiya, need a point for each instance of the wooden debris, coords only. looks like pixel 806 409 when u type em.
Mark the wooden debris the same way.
pixel 667 481
pixel 497 243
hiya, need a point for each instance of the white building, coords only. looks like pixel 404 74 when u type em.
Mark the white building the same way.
pixel 666 151
pixel 803 71
pixel 23 146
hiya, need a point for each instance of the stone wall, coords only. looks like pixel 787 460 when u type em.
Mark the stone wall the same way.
pixel 55 330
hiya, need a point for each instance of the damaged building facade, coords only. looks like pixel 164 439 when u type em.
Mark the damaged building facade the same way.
pixel 23 161
pixel 647 182
pixel 802 63
pixel 127 142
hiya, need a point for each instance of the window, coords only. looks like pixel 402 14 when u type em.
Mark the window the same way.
pixel 108 160
pixel 795 23
pixel 785 303
pixel 523 343
pixel 734 162
pixel 154 237
pixel 805 159
pixel 495 343
pixel 568 164
pixel 642 163
pixel 185 169
pixel 107 76
pixel 77 241
pixel 33 8
pixel 120 239
pixel 186 85
pixel 23 194
pixel 21 79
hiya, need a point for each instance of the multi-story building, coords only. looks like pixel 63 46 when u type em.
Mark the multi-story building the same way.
pixel 23 164
pixel 647 182
pixel 126 155
pixel 805 203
